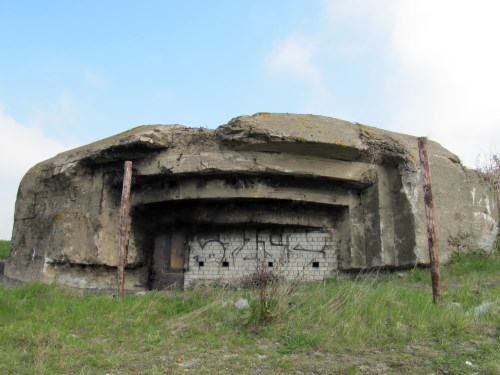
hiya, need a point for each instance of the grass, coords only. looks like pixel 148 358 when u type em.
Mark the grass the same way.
pixel 4 249
pixel 374 323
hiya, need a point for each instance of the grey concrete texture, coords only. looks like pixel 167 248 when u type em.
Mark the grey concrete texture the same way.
pixel 265 172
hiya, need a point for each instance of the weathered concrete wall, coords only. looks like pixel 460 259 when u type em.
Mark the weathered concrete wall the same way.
pixel 258 177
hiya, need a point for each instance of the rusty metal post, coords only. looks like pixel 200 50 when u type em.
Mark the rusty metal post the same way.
pixel 431 220
pixel 122 241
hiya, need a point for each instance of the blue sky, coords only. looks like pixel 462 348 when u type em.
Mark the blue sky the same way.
pixel 75 72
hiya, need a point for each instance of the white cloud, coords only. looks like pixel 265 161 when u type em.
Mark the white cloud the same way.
pixel 21 147
pixel 295 58
pixel 449 49
pixel 364 20
pixel 441 77
pixel 56 114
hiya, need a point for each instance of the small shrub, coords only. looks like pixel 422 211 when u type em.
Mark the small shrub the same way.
pixel 274 286
pixel 489 170
pixel 4 249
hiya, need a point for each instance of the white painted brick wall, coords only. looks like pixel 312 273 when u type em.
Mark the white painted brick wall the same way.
pixel 239 249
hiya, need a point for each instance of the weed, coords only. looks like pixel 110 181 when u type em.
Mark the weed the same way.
pixel 4 249
pixel 275 286
pixel 299 342
pixel 488 169
pixel 351 325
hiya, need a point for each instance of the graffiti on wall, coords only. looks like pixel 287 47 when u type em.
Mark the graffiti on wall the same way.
pixel 252 245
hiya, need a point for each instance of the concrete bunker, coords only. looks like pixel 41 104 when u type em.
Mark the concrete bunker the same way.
pixel 208 238
pixel 200 240
pixel 207 205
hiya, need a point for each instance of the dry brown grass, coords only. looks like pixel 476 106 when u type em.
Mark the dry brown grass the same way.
pixel 489 169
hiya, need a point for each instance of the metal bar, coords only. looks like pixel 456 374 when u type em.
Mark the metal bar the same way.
pixel 431 220
pixel 122 241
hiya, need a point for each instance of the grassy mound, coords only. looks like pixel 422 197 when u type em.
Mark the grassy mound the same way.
pixel 372 323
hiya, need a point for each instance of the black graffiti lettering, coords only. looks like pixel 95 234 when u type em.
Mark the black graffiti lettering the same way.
pixel 256 245
pixel 299 247
pixel 236 251
pixel 212 255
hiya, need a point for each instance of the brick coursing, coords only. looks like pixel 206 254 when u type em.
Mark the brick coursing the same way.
pixel 231 254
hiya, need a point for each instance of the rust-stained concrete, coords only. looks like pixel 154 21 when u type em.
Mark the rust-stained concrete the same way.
pixel 326 195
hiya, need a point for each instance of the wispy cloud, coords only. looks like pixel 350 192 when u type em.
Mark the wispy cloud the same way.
pixel 92 77
pixel 294 58
pixel 56 114
pixel 21 147
pixel 448 48
pixel 439 64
